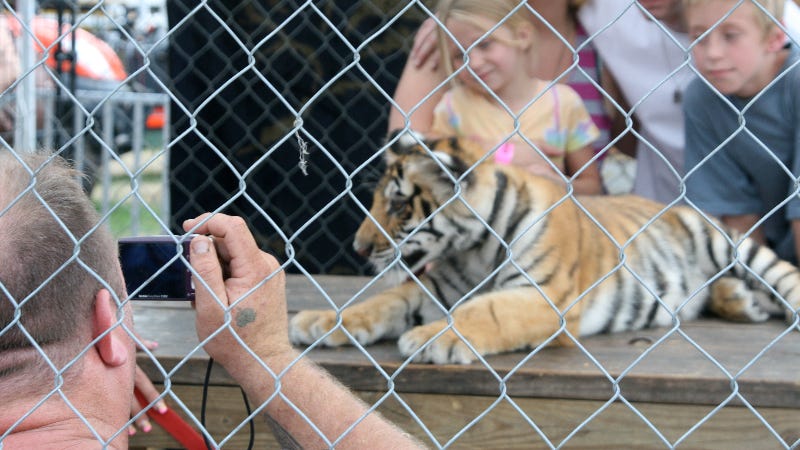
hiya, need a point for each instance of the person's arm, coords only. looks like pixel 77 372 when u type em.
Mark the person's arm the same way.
pixel 254 295
pixel 148 391
pixel 421 75
pixel 588 182
pixel 619 126
pixel 796 234
pixel 743 223
pixel 150 394
pixel 580 133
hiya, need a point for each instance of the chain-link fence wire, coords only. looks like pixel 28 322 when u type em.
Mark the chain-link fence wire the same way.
pixel 258 84
pixel 276 108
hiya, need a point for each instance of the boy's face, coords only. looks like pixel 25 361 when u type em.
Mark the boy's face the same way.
pixel 736 56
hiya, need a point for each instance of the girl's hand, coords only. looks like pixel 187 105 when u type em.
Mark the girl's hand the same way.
pixel 550 151
pixel 150 394
pixel 544 169
pixel 533 162
pixel 425 51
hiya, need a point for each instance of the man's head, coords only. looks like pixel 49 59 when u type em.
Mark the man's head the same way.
pixel 54 255
pixel 668 11
pixel 736 45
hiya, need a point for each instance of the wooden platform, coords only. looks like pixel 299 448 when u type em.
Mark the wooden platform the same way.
pixel 645 390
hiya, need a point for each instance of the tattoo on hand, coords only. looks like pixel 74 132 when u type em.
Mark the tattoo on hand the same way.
pixel 245 316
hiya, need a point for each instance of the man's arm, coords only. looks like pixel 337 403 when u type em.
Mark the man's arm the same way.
pixel 249 304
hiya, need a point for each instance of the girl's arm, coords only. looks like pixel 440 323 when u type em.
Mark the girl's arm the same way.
pixel 588 182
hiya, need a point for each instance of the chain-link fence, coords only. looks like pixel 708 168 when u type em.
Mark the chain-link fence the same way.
pixel 274 111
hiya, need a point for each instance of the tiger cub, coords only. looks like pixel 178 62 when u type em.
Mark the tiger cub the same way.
pixel 518 262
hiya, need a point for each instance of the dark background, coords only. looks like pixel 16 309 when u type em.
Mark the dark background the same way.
pixel 242 75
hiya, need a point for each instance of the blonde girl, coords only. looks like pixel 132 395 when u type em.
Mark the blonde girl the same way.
pixel 489 51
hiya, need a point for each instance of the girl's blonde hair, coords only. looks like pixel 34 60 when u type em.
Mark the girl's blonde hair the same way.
pixel 774 11
pixel 477 13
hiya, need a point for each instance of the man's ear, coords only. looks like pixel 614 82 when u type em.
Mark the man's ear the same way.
pixel 112 348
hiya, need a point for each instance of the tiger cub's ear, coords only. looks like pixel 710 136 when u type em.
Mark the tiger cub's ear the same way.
pixel 451 152
pixel 453 163
pixel 448 151
pixel 402 141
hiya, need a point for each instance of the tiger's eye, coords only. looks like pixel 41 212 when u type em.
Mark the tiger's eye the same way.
pixel 397 203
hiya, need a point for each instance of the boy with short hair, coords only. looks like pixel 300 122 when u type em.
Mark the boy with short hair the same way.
pixel 741 116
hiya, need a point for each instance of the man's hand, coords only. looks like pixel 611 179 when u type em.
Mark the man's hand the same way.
pixel 239 292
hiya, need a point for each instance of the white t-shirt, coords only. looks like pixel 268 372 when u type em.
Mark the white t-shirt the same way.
pixel 651 66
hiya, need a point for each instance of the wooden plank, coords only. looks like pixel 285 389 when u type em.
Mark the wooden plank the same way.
pixel 585 424
pixel 574 423
pixel 225 411
pixel 679 369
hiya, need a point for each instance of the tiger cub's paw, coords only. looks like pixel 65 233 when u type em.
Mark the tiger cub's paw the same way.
pixel 791 315
pixel 448 348
pixel 307 327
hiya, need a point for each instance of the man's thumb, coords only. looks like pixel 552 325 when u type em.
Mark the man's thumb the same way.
pixel 207 279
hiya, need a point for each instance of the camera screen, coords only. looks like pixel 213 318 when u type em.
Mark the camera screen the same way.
pixel 152 271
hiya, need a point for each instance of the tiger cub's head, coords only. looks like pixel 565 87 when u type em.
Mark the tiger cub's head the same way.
pixel 417 202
